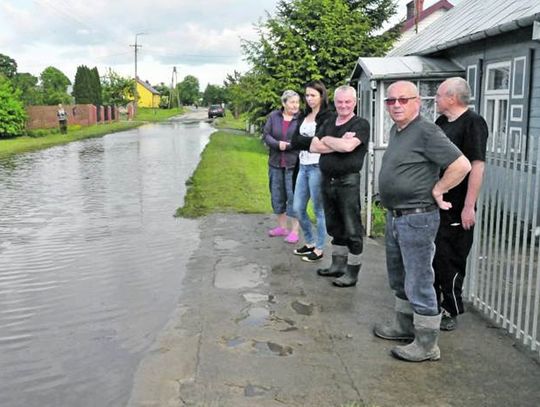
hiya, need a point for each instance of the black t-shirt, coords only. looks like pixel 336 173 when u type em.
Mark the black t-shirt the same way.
pixel 469 132
pixel 338 164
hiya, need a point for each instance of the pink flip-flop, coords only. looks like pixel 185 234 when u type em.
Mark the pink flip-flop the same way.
pixel 278 231
pixel 292 238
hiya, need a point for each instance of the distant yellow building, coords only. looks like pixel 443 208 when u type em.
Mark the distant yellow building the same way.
pixel 148 96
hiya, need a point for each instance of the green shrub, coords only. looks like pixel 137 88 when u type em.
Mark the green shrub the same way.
pixel 12 113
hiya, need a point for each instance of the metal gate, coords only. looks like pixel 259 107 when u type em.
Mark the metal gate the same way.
pixel 503 275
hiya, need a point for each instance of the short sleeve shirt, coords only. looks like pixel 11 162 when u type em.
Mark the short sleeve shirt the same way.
pixel 469 132
pixel 338 164
pixel 412 163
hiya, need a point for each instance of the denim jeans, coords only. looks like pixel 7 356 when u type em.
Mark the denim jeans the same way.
pixel 410 247
pixel 308 185
pixel 341 199
pixel 281 190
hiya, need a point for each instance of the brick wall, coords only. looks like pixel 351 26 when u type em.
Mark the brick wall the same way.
pixel 44 117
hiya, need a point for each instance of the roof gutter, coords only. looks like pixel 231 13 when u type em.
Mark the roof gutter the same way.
pixel 490 32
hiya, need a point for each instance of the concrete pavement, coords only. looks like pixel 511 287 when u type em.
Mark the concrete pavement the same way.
pixel 257 327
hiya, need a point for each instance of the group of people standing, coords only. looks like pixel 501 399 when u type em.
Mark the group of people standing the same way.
pixel 331 149
pixel 429 182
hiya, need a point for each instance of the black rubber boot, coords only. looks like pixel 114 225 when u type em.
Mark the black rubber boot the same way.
pixel 336 269
pixel 350 277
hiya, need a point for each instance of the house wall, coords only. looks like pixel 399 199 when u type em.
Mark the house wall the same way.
pixel 146 98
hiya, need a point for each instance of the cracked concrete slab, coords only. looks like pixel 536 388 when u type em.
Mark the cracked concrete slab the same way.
pixel 256 326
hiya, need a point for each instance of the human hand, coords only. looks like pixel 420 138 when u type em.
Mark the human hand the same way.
pixel 283 145
pixel 349 134
pixel 468 218
pixel 438 196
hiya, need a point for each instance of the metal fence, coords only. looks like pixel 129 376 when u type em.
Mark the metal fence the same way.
pixel 503 275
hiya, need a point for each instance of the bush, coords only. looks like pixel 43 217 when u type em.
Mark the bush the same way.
pixel 12 113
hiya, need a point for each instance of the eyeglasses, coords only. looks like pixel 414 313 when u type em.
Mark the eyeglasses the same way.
pixel 402 101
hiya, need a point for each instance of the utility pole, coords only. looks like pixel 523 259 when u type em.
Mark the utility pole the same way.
pixel 136 46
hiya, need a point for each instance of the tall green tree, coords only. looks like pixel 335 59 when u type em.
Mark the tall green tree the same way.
pixel 27 84
pixel 12 113
pixel 314 39
pixel 87 86
pixel 214 94
pixel 8 66
pixel 116 90
pixel 54 86
pixel 189 90
pixel 239 91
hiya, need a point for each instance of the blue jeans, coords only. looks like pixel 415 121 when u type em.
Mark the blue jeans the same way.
pixel 308 185
pixel 410 247
pixel 281 190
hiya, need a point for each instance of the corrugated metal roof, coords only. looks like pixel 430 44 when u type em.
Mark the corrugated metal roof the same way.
pixel 471 20
pixel 405 67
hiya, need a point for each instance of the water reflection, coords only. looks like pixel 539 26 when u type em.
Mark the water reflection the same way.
pixel 91 261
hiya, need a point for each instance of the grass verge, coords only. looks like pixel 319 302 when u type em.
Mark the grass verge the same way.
pixel 148 114
pixel 230 122
pixel 25 144
pixel 232 176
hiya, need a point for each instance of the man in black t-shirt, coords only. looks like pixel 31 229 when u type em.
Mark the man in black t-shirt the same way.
pixel 469 132
pixel 342 142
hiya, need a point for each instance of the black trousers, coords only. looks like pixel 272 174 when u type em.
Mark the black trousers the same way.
pixel 341 201
pixel 453 244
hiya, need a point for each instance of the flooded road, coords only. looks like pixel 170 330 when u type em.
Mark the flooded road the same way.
pixel 91 261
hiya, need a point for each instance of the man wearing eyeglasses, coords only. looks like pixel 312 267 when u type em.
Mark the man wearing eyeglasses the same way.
pixel 469 132
pixel 412 192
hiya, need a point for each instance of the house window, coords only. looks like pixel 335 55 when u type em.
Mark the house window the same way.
pixel 427 89
pixel 497 96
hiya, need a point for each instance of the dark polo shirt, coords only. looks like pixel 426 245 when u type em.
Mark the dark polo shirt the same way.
pixel 412 162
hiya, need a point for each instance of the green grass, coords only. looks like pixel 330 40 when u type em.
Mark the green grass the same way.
pixel 41 139
pixel 148 114
pixel 232 176
pixel 229 122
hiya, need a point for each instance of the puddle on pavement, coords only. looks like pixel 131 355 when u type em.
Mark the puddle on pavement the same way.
pixel 253 391
pixel 256 316
pixel 303 308
pixel 235 342
pixel 232 276
pixel 256 297
pixel 272 349
pixel 225 244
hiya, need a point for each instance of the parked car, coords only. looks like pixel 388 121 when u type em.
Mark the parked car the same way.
pixel 215 111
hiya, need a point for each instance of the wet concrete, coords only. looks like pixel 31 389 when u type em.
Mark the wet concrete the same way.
pixel 310 343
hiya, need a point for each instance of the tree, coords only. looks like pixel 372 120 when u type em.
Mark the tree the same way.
pixel 12 113
pixel 116 90
pixel 27 84
pixel 214 94
pixel 87 86
pixel 189 90
pixel 54 86
pixel 314 39
pixel 8 66
pixel 239 91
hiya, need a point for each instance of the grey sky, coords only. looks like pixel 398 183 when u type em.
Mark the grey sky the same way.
pixel 199 37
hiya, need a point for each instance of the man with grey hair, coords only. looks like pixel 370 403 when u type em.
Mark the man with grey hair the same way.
pixel 412 193
pixel 342 142
pixel 469 132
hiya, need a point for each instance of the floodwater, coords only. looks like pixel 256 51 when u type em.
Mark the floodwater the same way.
pixel 91 261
